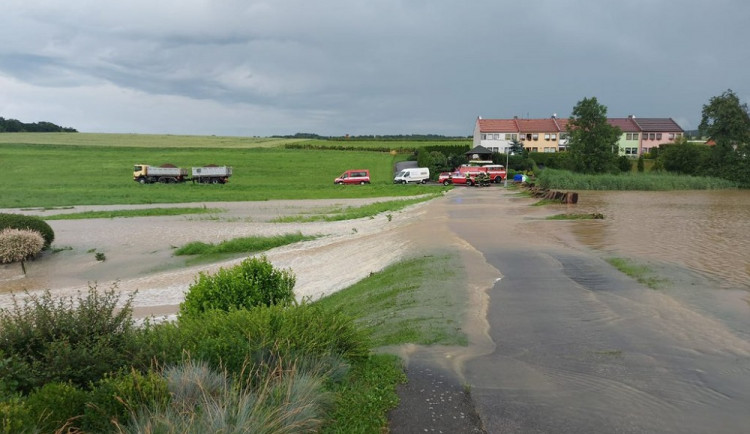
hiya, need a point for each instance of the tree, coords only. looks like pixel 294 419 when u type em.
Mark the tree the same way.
pixel 516 147
pixel 593 141
pixel 726 121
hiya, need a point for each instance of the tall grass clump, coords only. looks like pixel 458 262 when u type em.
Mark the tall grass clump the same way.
pixel 25 222
pixel 566 180
pixel 64 340
pixel 254 282
pixel 205 400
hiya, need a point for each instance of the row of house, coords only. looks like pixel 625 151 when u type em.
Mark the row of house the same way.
pixel 639 135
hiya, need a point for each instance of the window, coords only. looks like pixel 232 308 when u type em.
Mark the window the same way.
pixel 484 136
pixel 546 136
pixel 535 136
pixel 631 136
pixel 534 150
pixel 658 136
pixel 671 136
pixel 652 136
pixel 553 136
pixel 528 136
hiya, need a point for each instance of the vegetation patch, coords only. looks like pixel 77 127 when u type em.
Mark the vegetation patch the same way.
pixel 147 212
pixel 414 301
pixel 242 245
pixel 351 213
pixel 566 180
pixel 642 273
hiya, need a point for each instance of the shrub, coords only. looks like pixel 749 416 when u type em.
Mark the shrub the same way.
pixel 261 335
pixel 254 282
pixel 18 245
pixel 56 406
pixel 14 416
pixel 20 221
pixel 115 397
pixel 65 340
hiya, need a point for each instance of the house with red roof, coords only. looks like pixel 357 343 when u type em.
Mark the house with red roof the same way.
pixel 639 135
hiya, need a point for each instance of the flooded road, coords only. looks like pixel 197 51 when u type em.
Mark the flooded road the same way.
pixel 582 348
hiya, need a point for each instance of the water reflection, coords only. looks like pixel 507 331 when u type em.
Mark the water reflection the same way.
pixel 705 231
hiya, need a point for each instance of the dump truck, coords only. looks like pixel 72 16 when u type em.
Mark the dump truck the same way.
pixel 169 174
pixel 166 174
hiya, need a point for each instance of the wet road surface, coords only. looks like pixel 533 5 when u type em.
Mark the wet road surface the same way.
pixel 581 348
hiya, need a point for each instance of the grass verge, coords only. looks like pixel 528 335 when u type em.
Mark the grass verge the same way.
pixel 363 400
pixel 414 301
pixel 241 245
pixel 639 272
pixel 351 213
pixel 148 212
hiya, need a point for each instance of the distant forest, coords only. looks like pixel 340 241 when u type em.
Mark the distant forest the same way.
pixel 410 137
pixel 16 126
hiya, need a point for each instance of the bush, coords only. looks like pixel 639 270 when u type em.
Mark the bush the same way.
pixel 55 406
pixel 115 398
pixel 262 335
pixel 17 245
pixel 14 416
pixel 254 282
pixel 20 221
pixel 65 340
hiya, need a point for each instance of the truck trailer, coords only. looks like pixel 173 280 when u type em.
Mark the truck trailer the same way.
pixel 167 174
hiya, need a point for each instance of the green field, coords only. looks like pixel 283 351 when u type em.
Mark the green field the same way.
pixel 44 175
pixel 142 140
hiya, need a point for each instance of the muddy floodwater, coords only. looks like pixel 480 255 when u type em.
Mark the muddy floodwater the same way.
pixel 705 231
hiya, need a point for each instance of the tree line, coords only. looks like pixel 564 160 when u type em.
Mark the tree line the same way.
pixel 16 126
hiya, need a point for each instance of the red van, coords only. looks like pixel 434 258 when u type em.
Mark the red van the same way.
pixel 361 176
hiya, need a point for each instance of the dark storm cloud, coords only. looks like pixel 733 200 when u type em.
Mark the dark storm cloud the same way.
pixel 363 67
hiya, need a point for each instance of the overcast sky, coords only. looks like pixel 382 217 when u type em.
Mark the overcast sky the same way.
pixel 335 67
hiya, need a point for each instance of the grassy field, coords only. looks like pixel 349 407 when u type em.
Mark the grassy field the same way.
pixel 65 175
pixel 182 141
pixel 156 141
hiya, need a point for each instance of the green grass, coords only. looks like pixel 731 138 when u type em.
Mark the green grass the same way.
pixel 350 213
pixel 565 180
pixel 241 245
pixel 419 300
pixel 155 141
pixel 365 397
pixel 642 273
pixel 149 212
pixel 67 175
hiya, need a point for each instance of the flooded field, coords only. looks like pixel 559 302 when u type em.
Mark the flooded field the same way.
pixel 705 231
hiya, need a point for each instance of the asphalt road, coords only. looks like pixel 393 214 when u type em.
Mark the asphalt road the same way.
pixel 581 348
pixel 576 346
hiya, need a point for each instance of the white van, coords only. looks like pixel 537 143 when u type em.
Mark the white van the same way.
pixel 413 174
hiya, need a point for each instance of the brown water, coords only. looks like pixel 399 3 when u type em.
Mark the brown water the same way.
pixel 704 231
